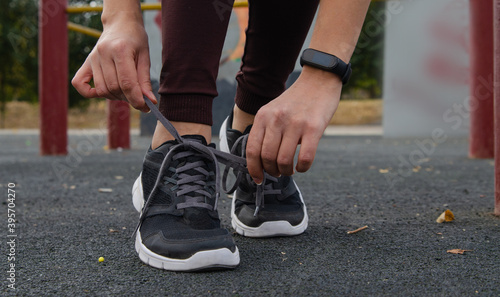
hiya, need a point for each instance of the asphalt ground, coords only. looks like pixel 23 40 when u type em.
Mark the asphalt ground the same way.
pixel 64 224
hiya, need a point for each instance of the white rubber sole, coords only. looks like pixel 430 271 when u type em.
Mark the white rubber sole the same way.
pixel 267 229
pixel 204 260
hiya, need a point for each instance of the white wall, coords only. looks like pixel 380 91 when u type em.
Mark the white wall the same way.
pixel 426 69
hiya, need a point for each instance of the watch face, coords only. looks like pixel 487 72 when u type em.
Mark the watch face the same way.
pixel 320 58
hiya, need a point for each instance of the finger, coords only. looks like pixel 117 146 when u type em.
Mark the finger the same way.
pixel 151 97
pixel 110 78
pixel 81 81
pixel 254 145
pixel 127 78
pixel 143 67
pixel 309 144
pixel 99 82
pixel 286 154
pixel 269 152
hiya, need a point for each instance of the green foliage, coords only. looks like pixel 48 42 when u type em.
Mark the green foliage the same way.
pixel 18 52
pixel 368 58
pixel 80 47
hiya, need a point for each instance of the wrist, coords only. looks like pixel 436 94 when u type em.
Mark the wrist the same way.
pixel 320 78
pixel 110 17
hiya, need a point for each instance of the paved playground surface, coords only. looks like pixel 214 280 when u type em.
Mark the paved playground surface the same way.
pixel 64 224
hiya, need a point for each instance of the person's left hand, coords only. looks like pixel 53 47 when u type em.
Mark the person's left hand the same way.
pixel 299 116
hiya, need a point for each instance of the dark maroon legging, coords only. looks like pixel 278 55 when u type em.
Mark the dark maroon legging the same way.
pixel 193 35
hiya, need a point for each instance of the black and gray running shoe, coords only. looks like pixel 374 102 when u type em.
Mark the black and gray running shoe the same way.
pixel 282 213
pixel 176 195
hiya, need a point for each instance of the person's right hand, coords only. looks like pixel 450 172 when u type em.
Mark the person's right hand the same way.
pixel 118 65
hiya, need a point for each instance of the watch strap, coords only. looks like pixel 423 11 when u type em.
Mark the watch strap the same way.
pixel 342 69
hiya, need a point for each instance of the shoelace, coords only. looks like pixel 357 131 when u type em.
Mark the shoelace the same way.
pixel 265 188
pixel 185 182
pixel 196 183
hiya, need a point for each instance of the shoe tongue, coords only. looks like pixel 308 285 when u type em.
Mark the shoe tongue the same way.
pixel 247 129
pixel 165 147
pixel 196 138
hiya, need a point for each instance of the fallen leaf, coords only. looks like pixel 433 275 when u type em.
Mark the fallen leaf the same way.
pixel 383 170
pixel 113 231
pixel 118 177
pixel 105 190
pixel 357 230
pixel 446 216
pixel 458 251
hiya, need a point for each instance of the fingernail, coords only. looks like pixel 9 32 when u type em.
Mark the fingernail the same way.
pixel 258 183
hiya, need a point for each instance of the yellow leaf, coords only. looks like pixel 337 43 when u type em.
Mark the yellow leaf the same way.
pixel 458 251
pixel 446 216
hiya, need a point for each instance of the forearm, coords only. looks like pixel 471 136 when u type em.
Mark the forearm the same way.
pixel 338 26
pixel 337 30
pixel 121 10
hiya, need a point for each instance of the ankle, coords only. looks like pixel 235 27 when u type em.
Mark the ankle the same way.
pixel 161 134
pixel 241 119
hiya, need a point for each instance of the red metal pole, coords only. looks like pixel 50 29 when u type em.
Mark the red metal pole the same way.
pixel 497 105
pixel 481 79
pixel 53 77
pixel 118 124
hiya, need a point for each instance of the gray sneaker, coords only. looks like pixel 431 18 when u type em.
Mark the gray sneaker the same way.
pixel 282 211
pixel 176 195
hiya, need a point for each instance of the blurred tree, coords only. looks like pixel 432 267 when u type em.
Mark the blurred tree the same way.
pixel 368 58
pixel 80 46
pixel 18 53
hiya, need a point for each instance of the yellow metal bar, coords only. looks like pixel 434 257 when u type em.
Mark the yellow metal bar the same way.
pixel 240 4
pixel 147 6
pixel 144 6
pixel 84 30
pixel 151 6
pixel 80 9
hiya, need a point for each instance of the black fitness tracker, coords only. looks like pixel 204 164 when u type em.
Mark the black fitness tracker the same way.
pixel 327 62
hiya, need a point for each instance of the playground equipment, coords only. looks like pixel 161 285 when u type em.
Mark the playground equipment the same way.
pixel 53 78
pixel 497 103
pixel 485 82
pixel 481 144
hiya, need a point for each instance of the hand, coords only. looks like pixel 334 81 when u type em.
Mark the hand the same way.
pixel 119 65
pixel 299 116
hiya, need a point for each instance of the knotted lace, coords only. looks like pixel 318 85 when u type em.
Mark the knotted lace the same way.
pixel 198 184
pixel 265 188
